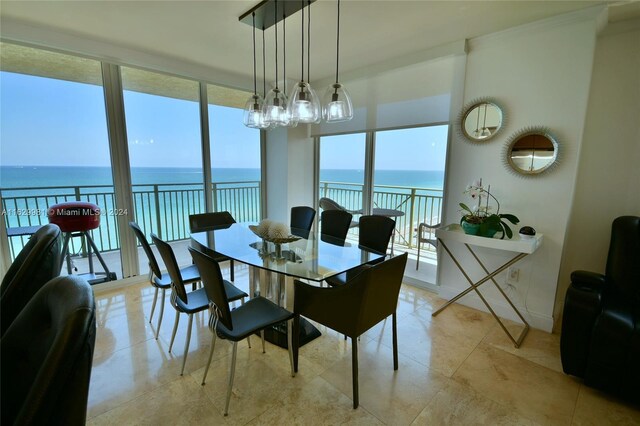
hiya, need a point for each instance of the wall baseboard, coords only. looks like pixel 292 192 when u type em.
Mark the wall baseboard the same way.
pixel 123 283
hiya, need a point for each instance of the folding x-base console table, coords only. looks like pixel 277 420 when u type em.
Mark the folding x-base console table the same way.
pixel 520 245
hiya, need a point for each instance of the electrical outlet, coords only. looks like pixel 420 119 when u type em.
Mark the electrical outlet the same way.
pixel 513 274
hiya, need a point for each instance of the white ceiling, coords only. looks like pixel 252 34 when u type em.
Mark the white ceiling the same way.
pixel 208 33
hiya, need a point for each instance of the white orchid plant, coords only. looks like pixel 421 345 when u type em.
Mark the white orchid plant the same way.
pixel 480 214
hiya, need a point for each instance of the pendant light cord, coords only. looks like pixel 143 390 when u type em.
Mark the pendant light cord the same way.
pixel 338 43
pixel 309 41
pixel 284 50
pixel 275 15
pixel 255 84
pixel 302 32
pixel 264 67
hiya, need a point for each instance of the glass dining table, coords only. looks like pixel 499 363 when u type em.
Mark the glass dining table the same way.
pixel 272 270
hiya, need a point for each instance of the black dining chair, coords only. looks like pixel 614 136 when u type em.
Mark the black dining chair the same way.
pixel 47 354
pixel 374 236
pixel 36 264
pixel 353 308
pixel 209 221
pixel 335 224
pixel 327 204
pixel 302 220
pixel 191 302
pixel 235 325
pixel 158 280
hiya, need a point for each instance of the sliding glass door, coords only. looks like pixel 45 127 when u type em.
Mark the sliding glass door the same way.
pixel 55 148
pixel 342 171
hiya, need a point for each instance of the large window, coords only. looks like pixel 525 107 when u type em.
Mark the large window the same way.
pixel 54 146
pixel 235 158
pixel 408 179
pixel 342 164
pixel 165 154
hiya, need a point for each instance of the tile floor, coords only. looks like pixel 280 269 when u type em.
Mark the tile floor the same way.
pixel 458 368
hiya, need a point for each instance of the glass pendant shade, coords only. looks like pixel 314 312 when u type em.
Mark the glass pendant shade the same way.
pixel 275 109
pixel 337 104
pixel 253 117
pixel 304 105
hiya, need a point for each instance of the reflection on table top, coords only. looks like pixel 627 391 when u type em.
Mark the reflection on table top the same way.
pixel 314 258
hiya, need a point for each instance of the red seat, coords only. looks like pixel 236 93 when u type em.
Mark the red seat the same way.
pixel 75 216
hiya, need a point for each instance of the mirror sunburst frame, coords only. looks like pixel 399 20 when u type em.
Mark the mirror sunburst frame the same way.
pixel 480 120
pixel 531 151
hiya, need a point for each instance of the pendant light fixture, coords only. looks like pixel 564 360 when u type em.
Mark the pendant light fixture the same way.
pixel 275 103
pixel 336 103
pixel 304 105
pixel 292 122
pixel 253 108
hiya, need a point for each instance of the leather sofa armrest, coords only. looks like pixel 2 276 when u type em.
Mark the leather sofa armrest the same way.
pixel 587 281
pixel 582 305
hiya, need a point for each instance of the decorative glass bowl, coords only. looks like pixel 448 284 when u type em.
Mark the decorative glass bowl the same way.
pixel 289 239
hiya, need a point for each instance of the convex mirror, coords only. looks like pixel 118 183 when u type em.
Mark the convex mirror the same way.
pixel 481 120
pixel 531 151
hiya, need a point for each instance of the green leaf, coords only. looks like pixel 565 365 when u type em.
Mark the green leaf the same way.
pixel 511 218
pixel 465 207
pixel 507 230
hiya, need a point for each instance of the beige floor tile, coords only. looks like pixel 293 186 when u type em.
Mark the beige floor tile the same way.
pixel 441 343
pixel 538 346
pixel 115 332
pixel 536 392
pixel 180 402
pixel 138 369
pixel 256 388
pixel 315 403
pixel 599 409
pixel 394 397
pixel 458 404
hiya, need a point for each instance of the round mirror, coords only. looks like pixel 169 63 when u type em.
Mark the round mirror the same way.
pixel 532 151
pixel 481 120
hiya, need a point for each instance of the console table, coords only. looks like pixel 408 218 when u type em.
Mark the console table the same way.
pixel 518 244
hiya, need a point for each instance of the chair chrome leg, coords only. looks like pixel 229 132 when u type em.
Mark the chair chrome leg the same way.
pixel 213 345
pixel 175 328
pixel 262 337
pixel 395 341
pixel 186 343
pixel 354 371
pixel 289 344
pixel 232 373
pixel 153 306
pixel 161 313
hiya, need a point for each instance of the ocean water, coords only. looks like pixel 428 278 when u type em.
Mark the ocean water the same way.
pixel 53 176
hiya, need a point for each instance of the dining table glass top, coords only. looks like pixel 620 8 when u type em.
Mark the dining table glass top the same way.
pixel 314 258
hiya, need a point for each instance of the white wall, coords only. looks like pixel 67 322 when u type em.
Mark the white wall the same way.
pixel 541 74
pixel 609 167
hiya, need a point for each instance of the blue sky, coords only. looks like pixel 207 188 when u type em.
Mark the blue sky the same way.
pixel 55 122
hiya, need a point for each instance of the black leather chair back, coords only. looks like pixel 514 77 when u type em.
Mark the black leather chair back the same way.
pixel 375 233
pixel 623 261
pixel 213 285
pixel 37 263
pixel 358 305
pixel 207 221
pixel 153 263
pixel 169 259
pixel 302 220
pixel 335 223
pixel 47 354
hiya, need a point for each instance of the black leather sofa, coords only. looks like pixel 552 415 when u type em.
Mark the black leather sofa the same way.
pixel 600 339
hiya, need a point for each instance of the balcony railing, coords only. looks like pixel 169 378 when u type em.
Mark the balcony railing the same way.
pixel 164 209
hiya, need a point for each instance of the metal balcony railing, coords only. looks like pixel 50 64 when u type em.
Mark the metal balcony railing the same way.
pixel 164 209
